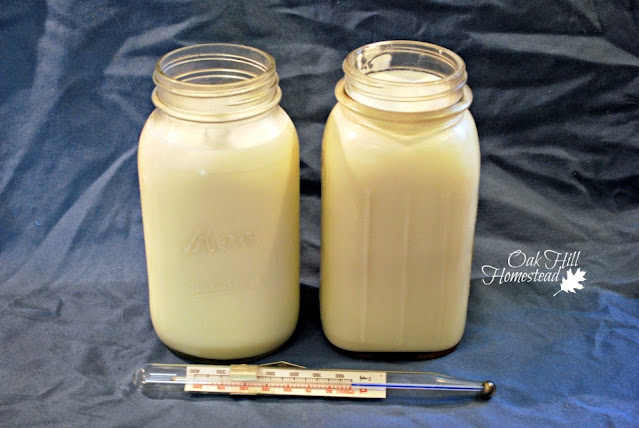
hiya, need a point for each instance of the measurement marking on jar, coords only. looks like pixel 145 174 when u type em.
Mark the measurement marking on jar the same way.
pixel 403 271
pixel 366 229
pixel 223 285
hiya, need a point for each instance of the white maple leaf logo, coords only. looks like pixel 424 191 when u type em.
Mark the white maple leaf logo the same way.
pixel 572 281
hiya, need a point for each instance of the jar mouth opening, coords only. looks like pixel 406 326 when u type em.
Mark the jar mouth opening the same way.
pixel 404 75
pixel 364 62
pixel 214 68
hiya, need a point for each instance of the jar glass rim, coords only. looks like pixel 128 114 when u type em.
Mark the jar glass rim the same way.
pixel 259 68
pixel 351 68
pixel 404 76
pixel 215 82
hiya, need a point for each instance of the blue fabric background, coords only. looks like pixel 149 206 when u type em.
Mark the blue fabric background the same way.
pixel 556 86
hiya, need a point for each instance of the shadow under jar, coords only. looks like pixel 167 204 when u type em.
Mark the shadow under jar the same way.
pixel 400 174
pixel 219 182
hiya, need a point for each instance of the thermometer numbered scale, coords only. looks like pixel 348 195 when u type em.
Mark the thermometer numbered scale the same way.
pixel 284 378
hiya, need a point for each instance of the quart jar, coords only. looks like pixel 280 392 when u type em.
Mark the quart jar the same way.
pixel 400 174
pixel 218 167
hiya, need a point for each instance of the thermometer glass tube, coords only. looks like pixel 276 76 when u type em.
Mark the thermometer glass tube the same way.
pixel 286 379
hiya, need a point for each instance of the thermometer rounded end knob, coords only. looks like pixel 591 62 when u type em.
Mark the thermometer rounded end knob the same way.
pixel 489 389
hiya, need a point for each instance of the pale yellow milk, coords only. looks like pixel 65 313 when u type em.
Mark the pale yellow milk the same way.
pixel 399 207
pixel 221 227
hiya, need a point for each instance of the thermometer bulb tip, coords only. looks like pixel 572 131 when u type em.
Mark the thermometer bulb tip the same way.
pixel 489 389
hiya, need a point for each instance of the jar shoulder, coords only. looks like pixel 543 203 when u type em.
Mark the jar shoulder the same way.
pixel 346 128
pixel 173 146
pixel 265 129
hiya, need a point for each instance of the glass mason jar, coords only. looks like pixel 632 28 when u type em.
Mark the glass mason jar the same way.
pixel 400 174
pixel 218 166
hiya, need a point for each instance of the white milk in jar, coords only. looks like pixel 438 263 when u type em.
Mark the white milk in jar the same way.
pixel 400 173
pixel 219 182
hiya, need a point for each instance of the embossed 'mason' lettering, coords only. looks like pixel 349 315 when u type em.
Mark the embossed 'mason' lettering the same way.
pixel 206 240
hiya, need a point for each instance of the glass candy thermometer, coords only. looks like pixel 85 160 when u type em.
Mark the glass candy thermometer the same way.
pixel 283 378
